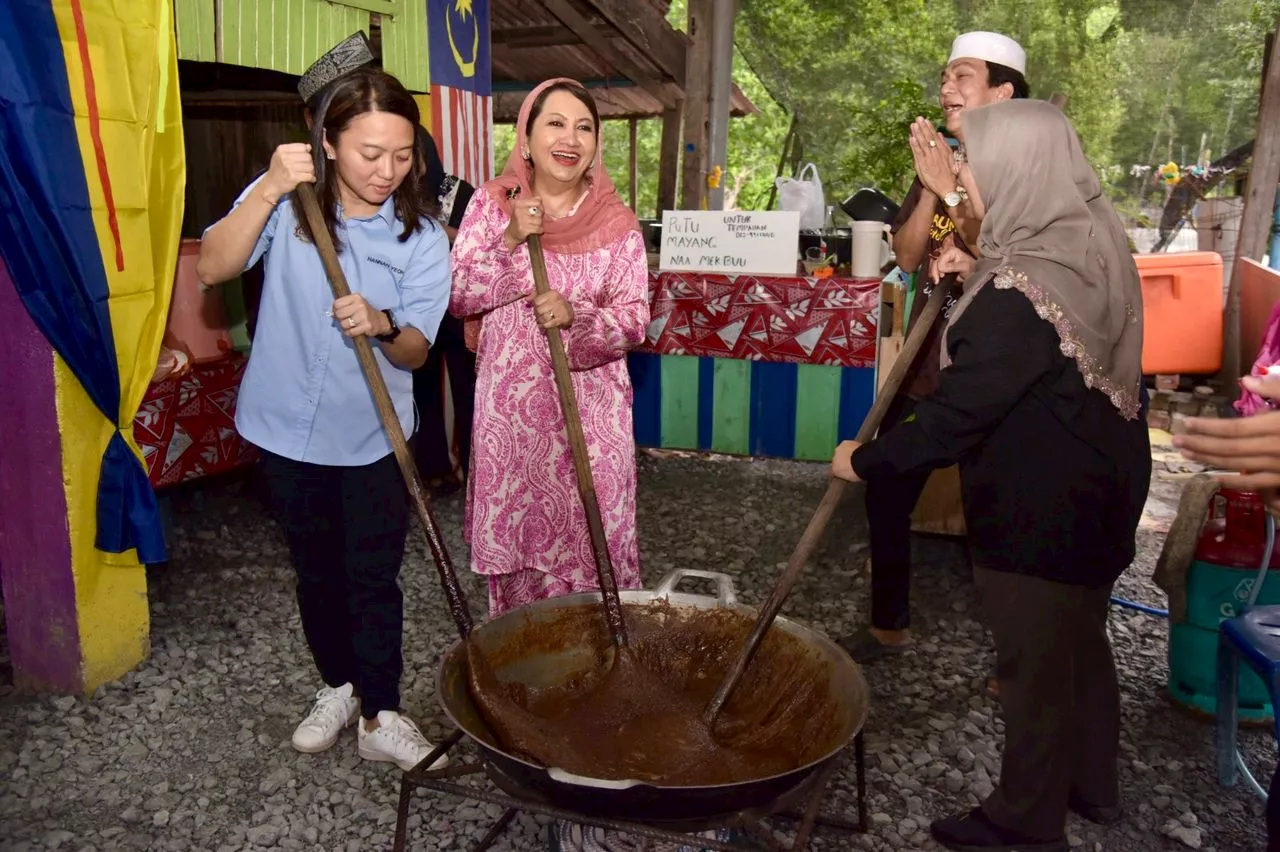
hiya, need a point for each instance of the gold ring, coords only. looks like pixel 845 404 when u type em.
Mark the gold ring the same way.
pixel 933 143
pixel 351 322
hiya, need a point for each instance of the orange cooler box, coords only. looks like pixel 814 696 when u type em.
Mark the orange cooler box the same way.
pixel 1182 312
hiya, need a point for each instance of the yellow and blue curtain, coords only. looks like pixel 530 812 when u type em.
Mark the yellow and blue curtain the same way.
pixel 92 176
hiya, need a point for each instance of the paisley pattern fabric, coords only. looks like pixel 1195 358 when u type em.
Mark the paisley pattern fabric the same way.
pixel 524 519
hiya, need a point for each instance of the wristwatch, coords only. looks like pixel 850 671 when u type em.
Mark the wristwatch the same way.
pixel 393 333
pixel 954 197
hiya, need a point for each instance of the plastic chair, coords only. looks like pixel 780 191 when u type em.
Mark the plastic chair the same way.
pixel 1253 637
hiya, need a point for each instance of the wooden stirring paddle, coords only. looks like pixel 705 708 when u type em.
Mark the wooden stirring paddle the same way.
pixel 836 489
pixel 387 414
pixel 581 462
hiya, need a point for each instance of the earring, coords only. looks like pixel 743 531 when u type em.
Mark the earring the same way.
pixel 525 153
pixel 329 155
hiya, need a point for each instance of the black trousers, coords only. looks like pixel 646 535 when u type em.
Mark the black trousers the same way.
pixel 346 528
pixel 448 353
pixel 1060 697
pixel 890 502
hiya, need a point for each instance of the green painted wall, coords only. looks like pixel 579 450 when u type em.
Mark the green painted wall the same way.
pixel 404 45
pixel 288 35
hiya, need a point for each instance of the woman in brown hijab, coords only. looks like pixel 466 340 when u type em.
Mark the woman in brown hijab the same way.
pixel 1038 402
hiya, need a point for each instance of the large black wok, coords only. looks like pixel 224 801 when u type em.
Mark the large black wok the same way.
pixel 529 646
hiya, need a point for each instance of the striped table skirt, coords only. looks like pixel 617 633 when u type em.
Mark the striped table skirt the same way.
pixel 755 365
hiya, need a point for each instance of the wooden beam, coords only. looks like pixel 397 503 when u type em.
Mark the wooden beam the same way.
pixel 1259 212
pixel 697 90
pixel 668 161
pixel 574 20
pixel 633 172
pixel 520 38
pixel 640 24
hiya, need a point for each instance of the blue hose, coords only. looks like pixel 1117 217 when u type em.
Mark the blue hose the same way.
pixel 1149 610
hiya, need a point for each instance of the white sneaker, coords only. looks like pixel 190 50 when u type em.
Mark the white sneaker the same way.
pixel 334 710
pixel 396 740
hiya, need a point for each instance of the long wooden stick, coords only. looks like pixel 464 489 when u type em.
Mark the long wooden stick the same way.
pixel 835 492
pixel 387 414
pixel 1259 212
pixel 581 462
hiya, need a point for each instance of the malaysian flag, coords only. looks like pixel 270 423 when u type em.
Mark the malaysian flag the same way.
pixel 461 87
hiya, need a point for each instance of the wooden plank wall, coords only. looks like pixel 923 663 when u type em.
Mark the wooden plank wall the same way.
pixel 227 146
pixel 288 35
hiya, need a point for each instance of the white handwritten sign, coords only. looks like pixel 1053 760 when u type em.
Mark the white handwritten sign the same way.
pixel 730 242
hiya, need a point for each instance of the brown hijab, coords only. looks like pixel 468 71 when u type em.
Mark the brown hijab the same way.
pixel 1051 234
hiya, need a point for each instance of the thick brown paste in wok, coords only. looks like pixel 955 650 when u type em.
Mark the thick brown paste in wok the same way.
pixel 641 717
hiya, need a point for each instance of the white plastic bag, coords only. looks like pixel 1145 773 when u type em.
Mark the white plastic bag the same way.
pixel 804 195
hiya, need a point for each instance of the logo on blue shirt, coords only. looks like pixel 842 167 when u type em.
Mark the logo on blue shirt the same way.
pixel 381 262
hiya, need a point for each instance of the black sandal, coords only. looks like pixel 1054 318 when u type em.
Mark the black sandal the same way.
pixel 865 648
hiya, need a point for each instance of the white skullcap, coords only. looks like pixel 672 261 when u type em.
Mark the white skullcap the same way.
pixel 989 47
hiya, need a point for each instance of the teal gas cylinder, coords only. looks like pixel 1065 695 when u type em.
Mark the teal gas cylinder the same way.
pixel 1219 582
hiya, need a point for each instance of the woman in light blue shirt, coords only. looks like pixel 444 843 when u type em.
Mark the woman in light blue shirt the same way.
pixel 304 401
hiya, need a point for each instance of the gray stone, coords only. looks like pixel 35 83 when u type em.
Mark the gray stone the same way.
pixel 1187 835
pixel 263 835
pixel 275 781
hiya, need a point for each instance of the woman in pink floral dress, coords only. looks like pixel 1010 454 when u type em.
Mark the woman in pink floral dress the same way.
pixel 524 519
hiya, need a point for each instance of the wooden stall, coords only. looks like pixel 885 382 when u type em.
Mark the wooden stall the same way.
pixel 779 366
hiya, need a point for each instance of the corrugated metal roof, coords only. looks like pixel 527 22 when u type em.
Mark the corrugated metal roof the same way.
pixel 530 44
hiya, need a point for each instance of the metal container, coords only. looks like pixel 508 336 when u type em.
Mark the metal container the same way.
pixel 555 662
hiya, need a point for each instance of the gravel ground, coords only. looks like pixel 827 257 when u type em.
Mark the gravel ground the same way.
pixel 191 750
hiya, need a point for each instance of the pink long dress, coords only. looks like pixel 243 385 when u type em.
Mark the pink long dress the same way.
pixel 524 519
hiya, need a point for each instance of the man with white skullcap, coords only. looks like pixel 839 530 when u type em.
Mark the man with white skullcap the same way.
pixel 983 68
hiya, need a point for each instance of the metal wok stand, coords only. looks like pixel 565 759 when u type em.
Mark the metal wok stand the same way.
pixel 752 822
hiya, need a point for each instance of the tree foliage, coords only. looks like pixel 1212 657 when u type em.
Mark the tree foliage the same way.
pixel 1146 81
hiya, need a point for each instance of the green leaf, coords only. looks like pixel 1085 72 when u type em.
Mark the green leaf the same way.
pixel 1100 20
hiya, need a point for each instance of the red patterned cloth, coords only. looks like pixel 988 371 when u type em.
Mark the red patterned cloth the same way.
pixel 186 426
pixel 754 318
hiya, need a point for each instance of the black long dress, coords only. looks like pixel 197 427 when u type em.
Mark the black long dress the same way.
pixel 1053 481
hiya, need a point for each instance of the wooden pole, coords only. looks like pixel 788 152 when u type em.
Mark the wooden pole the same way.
pixel 782 159
pixel 633 172
pixel 669 160
pixel 1259 211
pixel 697 89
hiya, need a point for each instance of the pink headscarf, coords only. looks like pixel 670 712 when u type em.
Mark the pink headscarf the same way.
pixel 601 219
